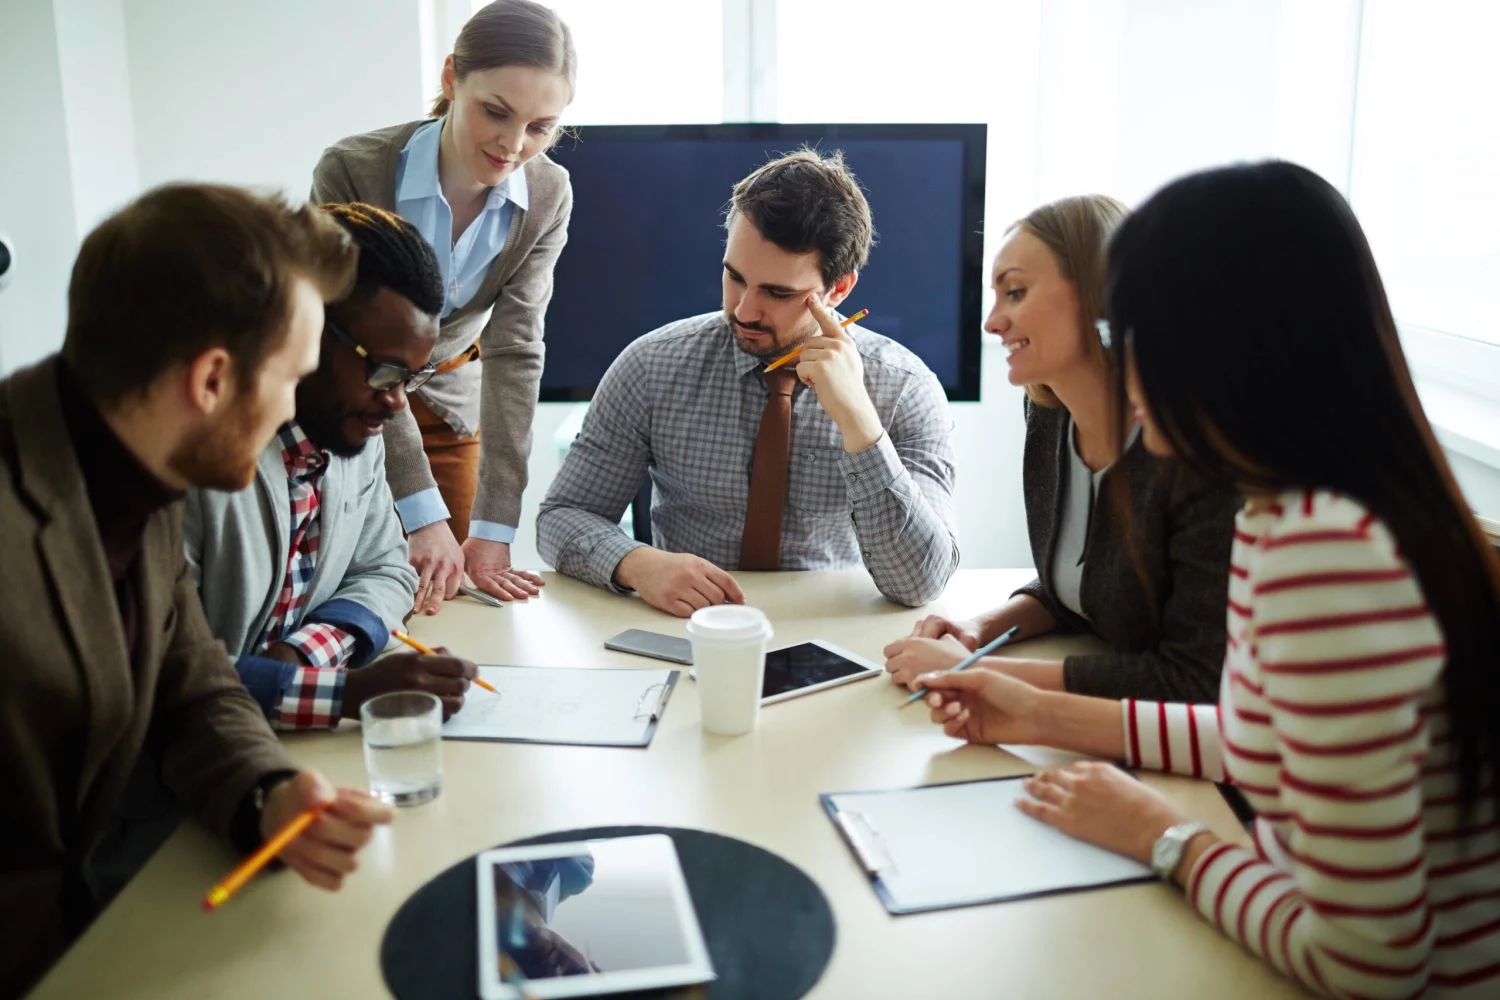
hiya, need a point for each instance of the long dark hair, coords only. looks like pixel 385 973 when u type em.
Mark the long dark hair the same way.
pixel 1268 355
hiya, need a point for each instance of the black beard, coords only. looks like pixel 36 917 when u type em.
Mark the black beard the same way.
pixel 321 419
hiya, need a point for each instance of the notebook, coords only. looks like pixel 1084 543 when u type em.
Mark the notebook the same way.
pixel 583 707
pixel 943 846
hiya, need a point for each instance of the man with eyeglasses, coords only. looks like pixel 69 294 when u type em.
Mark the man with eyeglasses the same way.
pixel 339 579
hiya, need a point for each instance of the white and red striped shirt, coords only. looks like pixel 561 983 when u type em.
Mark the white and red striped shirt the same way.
pixel 1331 720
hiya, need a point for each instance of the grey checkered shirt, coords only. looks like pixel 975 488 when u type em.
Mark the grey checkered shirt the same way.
pixel 684 403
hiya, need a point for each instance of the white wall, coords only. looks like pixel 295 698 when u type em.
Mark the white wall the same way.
pixel 98 116
pixel 36 197
pixel 109 98
pixel 251 93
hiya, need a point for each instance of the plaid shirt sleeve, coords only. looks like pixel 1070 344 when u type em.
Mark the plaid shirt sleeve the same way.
pixel 321 645
pixel 901 490
pixel 578 527
pixel 315 697
pixel 313 700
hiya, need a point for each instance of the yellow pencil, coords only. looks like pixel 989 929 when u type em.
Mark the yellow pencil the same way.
pixel 219 894
pixel 414 644
pixel 792 355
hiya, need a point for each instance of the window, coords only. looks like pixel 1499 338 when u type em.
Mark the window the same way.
pixel 645 61
pixel 1085 95
pixel 1424 178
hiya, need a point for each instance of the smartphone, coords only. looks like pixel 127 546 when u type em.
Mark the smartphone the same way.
pixel 653 644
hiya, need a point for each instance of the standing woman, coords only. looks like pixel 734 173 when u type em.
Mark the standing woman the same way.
pixel 474 178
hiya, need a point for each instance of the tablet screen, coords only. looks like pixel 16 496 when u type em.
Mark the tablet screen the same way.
pixel 797 667
pixel 606 910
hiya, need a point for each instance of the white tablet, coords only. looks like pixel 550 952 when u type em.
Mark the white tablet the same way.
pixel 793 671
pixel 811 666
pixel 587 918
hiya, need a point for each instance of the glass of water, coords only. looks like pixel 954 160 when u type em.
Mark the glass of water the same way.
pixel 403 746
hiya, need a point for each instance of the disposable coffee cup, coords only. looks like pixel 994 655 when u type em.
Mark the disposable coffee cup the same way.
pixel 729 656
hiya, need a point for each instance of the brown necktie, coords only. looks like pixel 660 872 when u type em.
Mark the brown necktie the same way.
pixel 760 546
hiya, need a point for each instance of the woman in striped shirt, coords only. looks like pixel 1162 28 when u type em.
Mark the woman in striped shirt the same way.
pixel 1357 708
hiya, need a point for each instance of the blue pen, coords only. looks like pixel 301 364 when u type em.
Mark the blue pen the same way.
pixel 965 664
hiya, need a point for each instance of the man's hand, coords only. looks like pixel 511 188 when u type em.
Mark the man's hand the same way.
pixel 439 563
pixel 830 365
pixel 489 567
pixel 285 652
pixel 676 582
pixel 446 676
pixel 325 852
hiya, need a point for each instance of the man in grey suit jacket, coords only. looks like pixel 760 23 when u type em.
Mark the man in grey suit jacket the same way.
pixel 339 579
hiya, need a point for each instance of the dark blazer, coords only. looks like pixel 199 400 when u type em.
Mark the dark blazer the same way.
pixel 1166 633
pixel 74 711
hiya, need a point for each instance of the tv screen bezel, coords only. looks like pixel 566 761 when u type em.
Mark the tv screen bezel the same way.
pixel 786 136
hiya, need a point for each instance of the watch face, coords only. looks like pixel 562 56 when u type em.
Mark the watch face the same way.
pixel 1165 852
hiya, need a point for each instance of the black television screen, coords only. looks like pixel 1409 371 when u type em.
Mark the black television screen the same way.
pixel 646 240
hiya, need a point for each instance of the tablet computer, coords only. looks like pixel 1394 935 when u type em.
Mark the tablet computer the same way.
pixel 793 671
pixel 587 918
pixel 811 666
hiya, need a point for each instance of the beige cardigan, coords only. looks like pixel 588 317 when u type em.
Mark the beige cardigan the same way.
pixel 505 316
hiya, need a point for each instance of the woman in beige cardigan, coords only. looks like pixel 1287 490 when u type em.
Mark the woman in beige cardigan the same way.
pixel 474 178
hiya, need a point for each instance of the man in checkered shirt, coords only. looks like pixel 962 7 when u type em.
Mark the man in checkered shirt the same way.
pixel 340 579
pixel 870 474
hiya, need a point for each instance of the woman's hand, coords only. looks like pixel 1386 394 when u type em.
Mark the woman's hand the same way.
pixel 982 706
pixel 966 630
pixel 907 659
pixel 489 567
pixel 439 563
pixel 1100 804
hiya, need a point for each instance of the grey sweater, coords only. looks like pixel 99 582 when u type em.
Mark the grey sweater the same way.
pixel 505 316
pixel 1156 568
pixel 236 546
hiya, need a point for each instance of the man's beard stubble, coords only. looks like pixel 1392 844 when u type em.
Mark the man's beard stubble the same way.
pixel 220 456
pixel 772 351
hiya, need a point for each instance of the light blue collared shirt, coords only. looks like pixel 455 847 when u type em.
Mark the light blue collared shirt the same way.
pixel 464 264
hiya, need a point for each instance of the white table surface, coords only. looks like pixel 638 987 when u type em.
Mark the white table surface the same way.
pixel 281 938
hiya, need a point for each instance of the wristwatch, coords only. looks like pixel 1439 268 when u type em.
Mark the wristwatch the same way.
pixel 1166 854
pixel 244 828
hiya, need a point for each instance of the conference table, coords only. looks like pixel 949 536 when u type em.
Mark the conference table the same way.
pixel 282 938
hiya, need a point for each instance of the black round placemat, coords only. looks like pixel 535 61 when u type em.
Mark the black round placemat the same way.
pixel 767 925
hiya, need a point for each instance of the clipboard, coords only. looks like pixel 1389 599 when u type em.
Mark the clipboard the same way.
pixel 939 847
pixel 564 705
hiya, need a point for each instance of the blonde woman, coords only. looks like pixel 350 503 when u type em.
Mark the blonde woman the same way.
pixel 1127 548
pixel 474 178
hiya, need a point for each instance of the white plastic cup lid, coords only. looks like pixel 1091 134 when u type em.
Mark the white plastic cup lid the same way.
pixel 728 623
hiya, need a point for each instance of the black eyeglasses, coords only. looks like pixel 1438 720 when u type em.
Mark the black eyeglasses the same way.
pixel 383 376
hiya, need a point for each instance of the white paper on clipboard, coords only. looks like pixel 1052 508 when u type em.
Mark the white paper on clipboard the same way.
pixel 942 846
pixel 578 706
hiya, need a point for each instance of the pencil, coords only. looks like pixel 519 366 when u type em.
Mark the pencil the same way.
pixel 414 644
pixel 219 894
pixel 967 662
pixel 792 355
